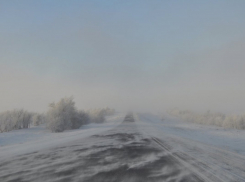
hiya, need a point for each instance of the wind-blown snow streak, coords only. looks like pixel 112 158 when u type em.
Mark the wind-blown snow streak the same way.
pixel 24 141
pixel 120 154
pixel 217 154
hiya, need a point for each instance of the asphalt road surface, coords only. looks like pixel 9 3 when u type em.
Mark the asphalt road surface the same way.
pixel 122 154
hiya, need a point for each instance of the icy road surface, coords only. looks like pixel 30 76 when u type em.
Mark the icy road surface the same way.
pixel 136 150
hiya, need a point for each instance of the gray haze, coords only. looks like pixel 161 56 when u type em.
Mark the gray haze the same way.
pixel 141 55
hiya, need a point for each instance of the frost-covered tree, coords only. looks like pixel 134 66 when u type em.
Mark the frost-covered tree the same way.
pixel 63 115
pixel 98 115
pixel 15 119
pixel 80 118
pixel 211 118
pixel 60 115
pixel 38 119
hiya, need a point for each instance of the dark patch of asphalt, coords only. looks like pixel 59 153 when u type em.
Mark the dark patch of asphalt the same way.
pixel 119 155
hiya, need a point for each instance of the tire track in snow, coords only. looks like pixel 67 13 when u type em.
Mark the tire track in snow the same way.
pixel 208 168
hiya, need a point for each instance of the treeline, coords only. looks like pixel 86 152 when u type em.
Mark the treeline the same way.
pixel 19 119
pixel 211 118
pixel 61 116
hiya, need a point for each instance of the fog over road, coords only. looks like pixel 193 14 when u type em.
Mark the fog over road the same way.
pixel 134 151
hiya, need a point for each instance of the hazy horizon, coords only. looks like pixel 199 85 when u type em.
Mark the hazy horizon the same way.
pixel 128 55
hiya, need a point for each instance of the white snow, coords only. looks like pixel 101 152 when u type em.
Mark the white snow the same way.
pixel 228 139
pixel 36 138
pixel 215 151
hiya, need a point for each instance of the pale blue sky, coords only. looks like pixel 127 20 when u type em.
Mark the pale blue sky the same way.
pixel 141 54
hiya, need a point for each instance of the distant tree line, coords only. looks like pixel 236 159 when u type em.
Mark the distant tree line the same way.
pixel 61 116
pixel 211 118
pixel 18 119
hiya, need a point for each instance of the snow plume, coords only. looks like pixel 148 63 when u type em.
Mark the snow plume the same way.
pixel 211 118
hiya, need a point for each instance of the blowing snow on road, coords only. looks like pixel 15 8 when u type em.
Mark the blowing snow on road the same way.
pixel 132 148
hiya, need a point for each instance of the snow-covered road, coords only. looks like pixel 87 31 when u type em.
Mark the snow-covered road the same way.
pixel 147 149
pixel 214 152
pixel 19 142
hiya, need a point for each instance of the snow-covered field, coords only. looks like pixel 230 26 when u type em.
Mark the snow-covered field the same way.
pixel 215 151
pixel 36 138
pixel 228 139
